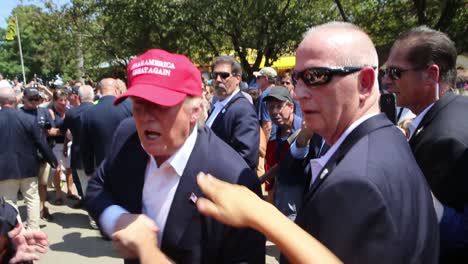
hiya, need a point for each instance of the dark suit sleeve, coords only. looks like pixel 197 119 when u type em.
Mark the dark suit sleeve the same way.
pixel 245 245
pixel 354 222
pixel 246 136
pixel 447 161
pixel 454 228
pixel 450 153
pixel 86 146
pixel 98 198
pixel 41 144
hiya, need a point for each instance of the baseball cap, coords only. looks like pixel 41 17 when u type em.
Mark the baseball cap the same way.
pixel 279 93
pixel 162 78
pixel 75 89
pixel 31 92
pixel 266 71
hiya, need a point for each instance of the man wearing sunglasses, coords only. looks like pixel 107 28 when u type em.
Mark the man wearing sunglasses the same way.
pixel 233 117
pixel 21 140
pixel 31 106
pixel 421 70
pixel 367 200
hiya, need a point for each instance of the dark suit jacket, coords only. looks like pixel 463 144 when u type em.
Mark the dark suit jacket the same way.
pixel 189 237
pixel 237 125
pixel 98 127
pixel 372 204
pixel 72 122
pixel 20 139
pixel 440 145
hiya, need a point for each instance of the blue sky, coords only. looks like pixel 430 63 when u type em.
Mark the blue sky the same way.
pixel 7 5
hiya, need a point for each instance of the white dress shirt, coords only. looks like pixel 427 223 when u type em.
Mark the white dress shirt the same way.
pixel 158 190
pixel 316 165
pixel 415 123
pixel 218 106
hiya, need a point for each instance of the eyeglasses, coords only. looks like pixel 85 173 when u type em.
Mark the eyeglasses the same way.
pixel 322 75
pixel 285 83
pixel 275 105
pixel 223 75
pixel 395 73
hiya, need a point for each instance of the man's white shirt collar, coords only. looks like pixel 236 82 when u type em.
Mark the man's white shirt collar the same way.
pixel 316 165
pixel 218 106
pixel 415 123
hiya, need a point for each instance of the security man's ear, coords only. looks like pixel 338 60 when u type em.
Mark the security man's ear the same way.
pixel 366 80
pixel 432 74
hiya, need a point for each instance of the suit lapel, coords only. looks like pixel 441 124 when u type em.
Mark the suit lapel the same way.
pixel 360 131
pixel 430 115
pixel 183 208
pixel 225 108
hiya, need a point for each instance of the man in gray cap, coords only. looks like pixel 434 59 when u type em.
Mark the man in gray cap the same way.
pixel 280 106
pixel 266 78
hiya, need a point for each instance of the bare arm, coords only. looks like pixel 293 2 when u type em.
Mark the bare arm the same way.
pixel 237 206
pixel 46 90
pixel 266 127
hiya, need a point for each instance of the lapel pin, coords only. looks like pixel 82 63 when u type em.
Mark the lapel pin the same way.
pixel 419 131
pixel 193 198
pixel 324 173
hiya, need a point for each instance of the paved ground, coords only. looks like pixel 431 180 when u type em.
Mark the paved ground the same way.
pixel 72 241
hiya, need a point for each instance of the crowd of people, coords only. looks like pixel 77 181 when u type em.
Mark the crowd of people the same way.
pixel 174 168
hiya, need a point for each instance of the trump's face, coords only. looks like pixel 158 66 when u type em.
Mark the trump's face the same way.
pixel 162 130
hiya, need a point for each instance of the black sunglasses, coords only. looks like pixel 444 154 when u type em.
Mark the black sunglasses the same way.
pixel 322 75
pixel 34 99
pixel 395 73
pixel 223 75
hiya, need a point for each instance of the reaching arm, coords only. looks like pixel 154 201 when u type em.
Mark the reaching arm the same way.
pixel 237 206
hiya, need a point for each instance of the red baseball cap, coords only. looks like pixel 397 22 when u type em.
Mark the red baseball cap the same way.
pixel 162 78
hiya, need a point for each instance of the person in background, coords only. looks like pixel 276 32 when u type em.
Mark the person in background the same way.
pixel 286 81
pixel 83 101
pixel 98 125
pixel 21 141
pixel 31 101
pixel 266 78
pixel 57 109
pixel 421 71
pixel 281 110
pixel 233 117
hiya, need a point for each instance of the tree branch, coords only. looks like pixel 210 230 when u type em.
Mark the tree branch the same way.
pixel 342 12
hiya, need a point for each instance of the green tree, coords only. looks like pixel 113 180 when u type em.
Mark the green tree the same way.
pixel 268 28
pixel 31 41
pixel 385 20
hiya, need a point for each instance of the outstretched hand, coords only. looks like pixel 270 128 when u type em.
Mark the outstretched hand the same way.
pixel 28 243
pixel 304 136
pixel 231 204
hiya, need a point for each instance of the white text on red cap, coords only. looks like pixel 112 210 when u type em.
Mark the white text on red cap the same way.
pixel 152 66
